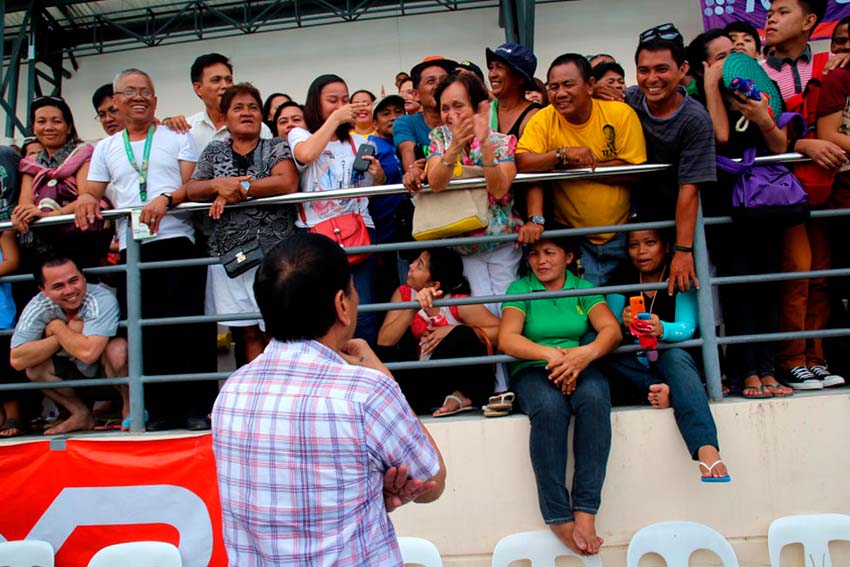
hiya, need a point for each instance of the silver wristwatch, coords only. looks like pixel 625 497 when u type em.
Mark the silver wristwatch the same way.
pixel 538 219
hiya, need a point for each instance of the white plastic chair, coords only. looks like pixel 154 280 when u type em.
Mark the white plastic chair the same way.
pixel 814 531
pixel 138 554
pixel 421 551
pixel 26 553
pixel 676 541
pixel 539 547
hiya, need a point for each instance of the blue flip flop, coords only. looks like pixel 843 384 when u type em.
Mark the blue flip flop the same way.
pixel 726 478
pixel 125 425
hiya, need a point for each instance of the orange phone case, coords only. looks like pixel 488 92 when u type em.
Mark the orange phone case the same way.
pixel 637 305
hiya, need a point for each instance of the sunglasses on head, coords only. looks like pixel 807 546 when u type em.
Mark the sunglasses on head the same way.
pixel 667 32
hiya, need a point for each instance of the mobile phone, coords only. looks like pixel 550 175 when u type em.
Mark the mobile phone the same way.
pixel 361 164
pixel 637 305
pixel 644 316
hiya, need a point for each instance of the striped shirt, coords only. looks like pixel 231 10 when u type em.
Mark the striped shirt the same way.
pixel 790 76
pixel 302 440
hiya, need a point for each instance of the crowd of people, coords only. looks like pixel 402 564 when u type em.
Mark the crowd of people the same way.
pixel 720 96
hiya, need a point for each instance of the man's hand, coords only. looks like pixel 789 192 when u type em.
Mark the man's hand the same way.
pixel 154 211
pixel 826 154
pixel 682 272
pixel 51 328
pixel 608 92
pixel 177 123
pixel 581 156
pixel 357 352
pixel 86 211
pixel 836 61
pixel 529 233
pixel 414 176
pixel 399 489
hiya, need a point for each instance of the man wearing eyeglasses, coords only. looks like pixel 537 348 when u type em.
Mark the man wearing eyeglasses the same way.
pixel 107 113
pixel 148 166
pixel 678 130
pixel 577 131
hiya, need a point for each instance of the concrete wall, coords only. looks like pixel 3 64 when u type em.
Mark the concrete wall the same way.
pixel 786 456
pixel 368 54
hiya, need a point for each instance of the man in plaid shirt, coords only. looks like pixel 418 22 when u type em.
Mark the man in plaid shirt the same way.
pixel 314 442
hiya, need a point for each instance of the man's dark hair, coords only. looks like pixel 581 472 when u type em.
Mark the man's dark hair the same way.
pixel 604 68
pixel 313 106
pixel 474 88
pixel 50 260
pixel 233 91
pixel 816 7
pixel 740 26
pixel 576 59
pixel 296 285
pixel 203 61
pixel 676 49
pixel 103 92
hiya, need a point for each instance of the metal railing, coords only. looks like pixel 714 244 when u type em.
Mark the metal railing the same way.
pixel 708 340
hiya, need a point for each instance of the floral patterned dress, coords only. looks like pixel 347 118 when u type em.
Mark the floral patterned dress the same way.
pixel 503 218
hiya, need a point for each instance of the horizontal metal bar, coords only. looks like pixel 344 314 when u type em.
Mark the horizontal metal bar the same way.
pixel 764 278
pixel 771 337
pixel 394 189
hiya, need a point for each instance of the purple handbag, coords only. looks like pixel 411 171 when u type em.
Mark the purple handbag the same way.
pixel 766 192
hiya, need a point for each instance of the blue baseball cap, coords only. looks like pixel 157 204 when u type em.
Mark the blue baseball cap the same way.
pixel 518 57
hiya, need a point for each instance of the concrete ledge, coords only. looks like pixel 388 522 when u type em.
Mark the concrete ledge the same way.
pixel 786 456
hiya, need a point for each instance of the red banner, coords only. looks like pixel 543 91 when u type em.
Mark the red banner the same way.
pixel 98 493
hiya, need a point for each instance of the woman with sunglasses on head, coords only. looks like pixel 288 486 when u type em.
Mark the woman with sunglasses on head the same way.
pixel 669 376
pixel 49 186
pixel 325 152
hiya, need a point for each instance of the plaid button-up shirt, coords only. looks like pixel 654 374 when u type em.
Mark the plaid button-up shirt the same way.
pixel 302 440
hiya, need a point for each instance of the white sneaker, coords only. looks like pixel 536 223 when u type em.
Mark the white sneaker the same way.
pixel 823 374
pixel 801 378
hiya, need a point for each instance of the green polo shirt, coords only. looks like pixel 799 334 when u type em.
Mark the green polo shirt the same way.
pixel 558 322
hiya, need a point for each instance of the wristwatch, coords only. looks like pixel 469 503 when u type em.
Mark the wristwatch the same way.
pixel 538 219
pixel 246 185
pixel 169 197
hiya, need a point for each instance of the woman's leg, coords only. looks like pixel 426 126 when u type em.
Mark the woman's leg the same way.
pixel 549 412
pixel 690 403
pixel 591 404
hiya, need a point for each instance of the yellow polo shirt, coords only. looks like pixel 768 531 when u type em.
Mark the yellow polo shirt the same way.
pixel 612 132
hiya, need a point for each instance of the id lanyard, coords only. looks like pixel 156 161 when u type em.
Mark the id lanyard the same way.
pixel 143 170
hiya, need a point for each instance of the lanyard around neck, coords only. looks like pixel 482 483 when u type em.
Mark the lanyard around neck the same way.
pixel 143 170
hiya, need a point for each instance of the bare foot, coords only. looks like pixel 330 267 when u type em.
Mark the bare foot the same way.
pixel 451 405
pixel 709 455
pixel 564 532
pixel 77 422
pixel 772 385
pixel 584 533
pixel 659 396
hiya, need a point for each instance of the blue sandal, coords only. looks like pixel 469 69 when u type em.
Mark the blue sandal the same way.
pixel 726 478
pixel 125 424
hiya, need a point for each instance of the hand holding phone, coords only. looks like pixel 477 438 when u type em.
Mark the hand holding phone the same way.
pixel 360 164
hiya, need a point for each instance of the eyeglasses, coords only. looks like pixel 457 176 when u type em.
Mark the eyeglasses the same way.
pixel 667 32
pixel 130 93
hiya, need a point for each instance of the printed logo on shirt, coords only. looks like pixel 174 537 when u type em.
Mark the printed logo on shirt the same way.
pixel 610 151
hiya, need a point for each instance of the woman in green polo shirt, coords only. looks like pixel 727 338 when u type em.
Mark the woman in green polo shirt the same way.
pixel 556 379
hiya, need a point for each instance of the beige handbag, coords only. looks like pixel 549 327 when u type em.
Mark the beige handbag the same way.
pixel 453 212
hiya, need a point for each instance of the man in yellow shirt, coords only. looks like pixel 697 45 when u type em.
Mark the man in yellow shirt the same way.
pixel 575 131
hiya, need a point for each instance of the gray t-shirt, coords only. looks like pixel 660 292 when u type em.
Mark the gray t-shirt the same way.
pixel 99 313
pixel 685 139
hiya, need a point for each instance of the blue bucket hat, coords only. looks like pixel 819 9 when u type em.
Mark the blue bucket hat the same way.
pixel 518 57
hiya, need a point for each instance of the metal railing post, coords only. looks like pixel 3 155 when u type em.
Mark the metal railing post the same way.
pixel 134 332
pixel 707 319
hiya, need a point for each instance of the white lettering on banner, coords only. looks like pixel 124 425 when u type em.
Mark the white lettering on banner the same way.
pixel 123 505
pixel 751 5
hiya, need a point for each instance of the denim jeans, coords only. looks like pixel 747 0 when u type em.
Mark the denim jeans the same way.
pixel 549 411
pixel 677 369
pixel 601 261
pixel 364 282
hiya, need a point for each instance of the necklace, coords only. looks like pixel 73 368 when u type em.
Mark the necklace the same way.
pixel 654 295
